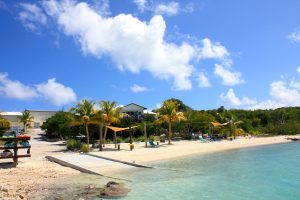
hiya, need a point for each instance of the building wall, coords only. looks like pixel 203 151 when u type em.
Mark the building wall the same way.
pixel 40 117
pixel 134 111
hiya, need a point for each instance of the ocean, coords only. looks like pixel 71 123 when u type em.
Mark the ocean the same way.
pixel 266 172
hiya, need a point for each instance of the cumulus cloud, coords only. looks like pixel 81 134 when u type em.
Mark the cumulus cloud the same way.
pixel 31 16
pixel 171 8
pixel 298 69
pixel 228 76
pixel 294 36
pixel 132 44
pixel 212 50
pixel 57 93
pixel 137 88
pixel 15 89
pixel 232 100
pixel 203 80
pixel 282 94
pixel 141 4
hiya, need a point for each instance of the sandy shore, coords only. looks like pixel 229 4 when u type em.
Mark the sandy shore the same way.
pixel 36 175
pixel 143 155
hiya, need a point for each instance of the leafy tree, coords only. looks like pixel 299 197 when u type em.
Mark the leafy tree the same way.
pixel 84 110
pixel 59 125
pixel 25 118
pixel 168 113
pixel 4 125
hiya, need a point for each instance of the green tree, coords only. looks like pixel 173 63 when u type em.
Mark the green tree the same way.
pixel 58 125
pixel 84 110
pixel 25 118
pixel 168 113
pixel 4 125
pixel 110 114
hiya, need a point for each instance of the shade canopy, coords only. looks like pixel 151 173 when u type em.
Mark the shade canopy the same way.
pixel 216 124
pixel 118 129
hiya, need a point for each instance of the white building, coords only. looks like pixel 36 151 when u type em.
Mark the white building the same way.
pixel 39 117
pixel 136 111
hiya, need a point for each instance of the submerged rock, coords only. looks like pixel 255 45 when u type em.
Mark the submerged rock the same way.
pixel 114 189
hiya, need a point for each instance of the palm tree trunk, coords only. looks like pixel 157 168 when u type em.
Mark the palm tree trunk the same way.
pixel 104 138
pixel 87 134
pixel 100 136
pixel 25 126
pixel 170 132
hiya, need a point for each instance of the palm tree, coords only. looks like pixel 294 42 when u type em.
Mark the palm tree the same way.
pixel 233 122
pixel 25 118
pixel 85 110
pixel 110 114
pixel 168 113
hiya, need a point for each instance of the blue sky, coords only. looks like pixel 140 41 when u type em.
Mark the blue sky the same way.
pixel 241 54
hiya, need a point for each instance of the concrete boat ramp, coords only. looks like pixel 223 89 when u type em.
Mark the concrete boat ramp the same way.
pixel 91 164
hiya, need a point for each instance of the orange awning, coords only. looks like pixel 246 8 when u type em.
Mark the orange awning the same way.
pixel 219 124
pixel 117 129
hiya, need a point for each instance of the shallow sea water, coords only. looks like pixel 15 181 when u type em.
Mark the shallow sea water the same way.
pixel 267 172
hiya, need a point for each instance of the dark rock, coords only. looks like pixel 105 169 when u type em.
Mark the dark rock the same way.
pixel 111 183
pixel 113 189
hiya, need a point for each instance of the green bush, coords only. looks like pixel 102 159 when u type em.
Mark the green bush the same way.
pixel 139 139
pixel 118 139
pixel 151 138
pixel 85 148
pixel 73 144
pixel 127 140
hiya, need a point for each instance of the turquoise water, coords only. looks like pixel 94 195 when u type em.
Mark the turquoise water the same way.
pixel 269 172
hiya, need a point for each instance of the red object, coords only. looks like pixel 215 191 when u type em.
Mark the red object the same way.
pixel 23 136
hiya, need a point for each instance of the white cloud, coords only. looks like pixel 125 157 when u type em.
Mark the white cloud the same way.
pixel 203 80
pixel 31 16
pixel 171 8
pixel 15 89
pixel 282 95
pixel 232 100
pixel 57 93
pixel 228 77
pixel 141 4
pixel 137 88
pixel 298 69
pixel 132 44
pixel 189 8
pixel 294 36
pixel 295 84
pixel 212 50
pixel 102 7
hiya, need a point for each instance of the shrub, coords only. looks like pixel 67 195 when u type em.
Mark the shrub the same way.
pixel 85 148
pixel 139 139
pixel 127 140
pixel 118 139
pixel 73 144
pixel 151 138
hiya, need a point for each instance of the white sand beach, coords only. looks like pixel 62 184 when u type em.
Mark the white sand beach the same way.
pixel 36 174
